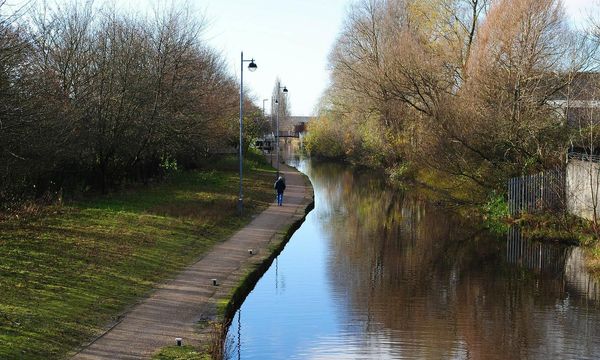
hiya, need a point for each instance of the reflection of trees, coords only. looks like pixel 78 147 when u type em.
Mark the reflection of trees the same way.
pixel 438 284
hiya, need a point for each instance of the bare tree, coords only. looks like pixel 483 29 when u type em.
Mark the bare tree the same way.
pixel 459 86
pixel 93 97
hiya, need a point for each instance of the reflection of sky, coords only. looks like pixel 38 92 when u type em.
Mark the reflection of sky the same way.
pixel 372 346
pixel 301 321
pixel 291 318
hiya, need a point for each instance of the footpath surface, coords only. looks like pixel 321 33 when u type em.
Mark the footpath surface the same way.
pixel 177 307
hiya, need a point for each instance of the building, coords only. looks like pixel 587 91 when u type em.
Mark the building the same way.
pixel 579 100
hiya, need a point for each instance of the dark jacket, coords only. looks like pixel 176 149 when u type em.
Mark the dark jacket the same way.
pixel 280 186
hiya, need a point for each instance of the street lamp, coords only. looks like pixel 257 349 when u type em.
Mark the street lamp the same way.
pixel 251 67
pixel 285 90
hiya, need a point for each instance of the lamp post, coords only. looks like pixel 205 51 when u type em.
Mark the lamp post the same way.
pixel 251 67
pixel 271 126
pixel 285 90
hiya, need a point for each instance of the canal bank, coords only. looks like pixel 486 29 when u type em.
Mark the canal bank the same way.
pixel 181 306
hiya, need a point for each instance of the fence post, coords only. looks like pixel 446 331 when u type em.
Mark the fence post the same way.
pixel 508 192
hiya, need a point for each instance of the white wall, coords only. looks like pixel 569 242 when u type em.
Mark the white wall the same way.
pixel 582 182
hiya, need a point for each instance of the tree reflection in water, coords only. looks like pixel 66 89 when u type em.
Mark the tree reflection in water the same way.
pixel 406 279
pixel 443 285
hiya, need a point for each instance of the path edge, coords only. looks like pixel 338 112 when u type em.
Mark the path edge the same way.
pixel 245 278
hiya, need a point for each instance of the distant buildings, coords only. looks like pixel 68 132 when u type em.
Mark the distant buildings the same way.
pixel 579 101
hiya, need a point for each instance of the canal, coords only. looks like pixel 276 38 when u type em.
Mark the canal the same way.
pixel 376 273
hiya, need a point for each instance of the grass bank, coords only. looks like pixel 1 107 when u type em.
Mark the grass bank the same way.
pixel 66 272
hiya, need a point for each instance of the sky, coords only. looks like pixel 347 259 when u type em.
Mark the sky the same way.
pixel 289 39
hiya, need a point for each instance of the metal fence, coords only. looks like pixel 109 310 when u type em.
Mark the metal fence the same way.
pixel 537 192
pixel 583 156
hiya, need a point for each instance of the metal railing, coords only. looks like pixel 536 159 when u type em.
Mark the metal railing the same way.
pixel 583 156
pixel 536 192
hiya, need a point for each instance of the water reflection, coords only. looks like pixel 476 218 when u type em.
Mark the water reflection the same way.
pixel 578 279
pixel 376 273
pixel 566 262
pixel 535 255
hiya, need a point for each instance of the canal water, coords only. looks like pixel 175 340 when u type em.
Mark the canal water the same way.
pixel 375 273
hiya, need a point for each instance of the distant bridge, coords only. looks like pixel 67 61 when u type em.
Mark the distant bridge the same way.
pixel 267 142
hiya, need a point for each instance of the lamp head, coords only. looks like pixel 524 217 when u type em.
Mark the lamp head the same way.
pixel 252 66
pixel 285 90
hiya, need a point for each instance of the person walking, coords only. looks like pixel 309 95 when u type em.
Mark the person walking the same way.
pixel 280 187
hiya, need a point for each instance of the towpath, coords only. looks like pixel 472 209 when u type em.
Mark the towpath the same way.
pixel 177 307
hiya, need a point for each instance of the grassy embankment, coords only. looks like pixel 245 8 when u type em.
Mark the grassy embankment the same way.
pixel 68 271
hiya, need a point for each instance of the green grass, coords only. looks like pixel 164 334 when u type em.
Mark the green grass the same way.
pixel 558 228
pixel 68 271
pixel 179 353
